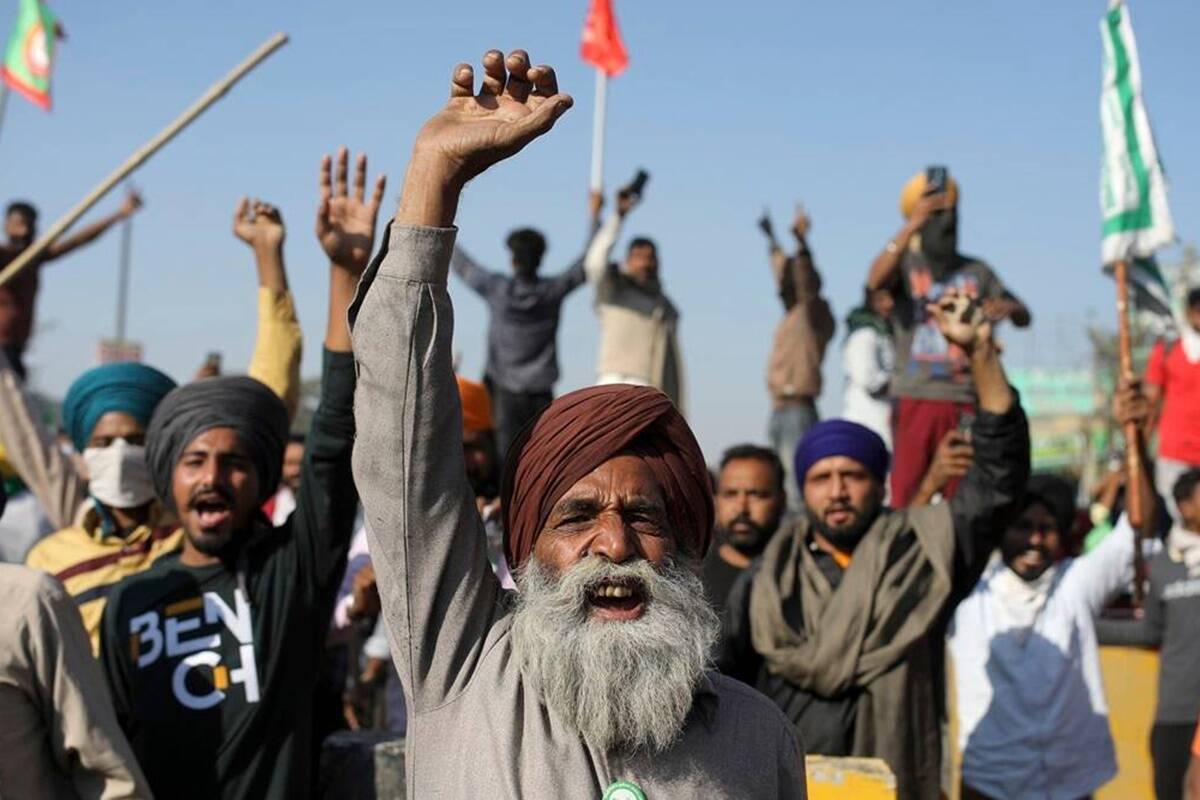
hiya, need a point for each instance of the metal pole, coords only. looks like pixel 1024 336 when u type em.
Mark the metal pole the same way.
pixel 598 131
pixel 3 102
pixel 123 278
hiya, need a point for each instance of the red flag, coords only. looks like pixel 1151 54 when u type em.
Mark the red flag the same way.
pixel 602 45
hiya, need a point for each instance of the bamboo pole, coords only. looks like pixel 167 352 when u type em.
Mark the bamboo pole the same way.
pixel 30 254
pixel 1138 516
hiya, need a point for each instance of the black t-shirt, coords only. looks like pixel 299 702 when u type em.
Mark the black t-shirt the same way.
pixel 718 576
pixel 212 668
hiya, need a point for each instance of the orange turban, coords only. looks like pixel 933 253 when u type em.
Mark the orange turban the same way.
pixel 476 405
pixel 580 431
pixel 914 190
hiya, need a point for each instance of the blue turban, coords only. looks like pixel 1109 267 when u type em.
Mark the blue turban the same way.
pixel 130 388
pixel 840 437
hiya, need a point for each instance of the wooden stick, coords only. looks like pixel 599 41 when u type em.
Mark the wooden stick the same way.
pixel 1138 516
pixel 30 254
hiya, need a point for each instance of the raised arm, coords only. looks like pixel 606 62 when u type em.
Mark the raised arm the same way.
pixel 31 450
pixel 574 275
pixel 439 595
pixel 327 501
pixel 597 263
pixel 90 233
pixel 278 343
pixel 1000 438
pixel 884 268
pixel 473 274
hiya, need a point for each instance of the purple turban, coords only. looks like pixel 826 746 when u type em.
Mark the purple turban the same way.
pixel 840 437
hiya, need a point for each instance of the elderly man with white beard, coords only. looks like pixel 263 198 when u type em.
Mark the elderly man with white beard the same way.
pixel 593 680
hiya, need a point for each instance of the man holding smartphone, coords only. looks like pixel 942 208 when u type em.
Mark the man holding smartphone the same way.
pixel 932 381
pixel 638 322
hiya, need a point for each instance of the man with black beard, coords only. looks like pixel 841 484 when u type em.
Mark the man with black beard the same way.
pixel 750 502
pixel 593 680
pixel 841 621
pixel 212 654
pixel 932 377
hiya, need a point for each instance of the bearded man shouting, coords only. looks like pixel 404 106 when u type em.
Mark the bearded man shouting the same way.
pixel 841 622
pixel 593 680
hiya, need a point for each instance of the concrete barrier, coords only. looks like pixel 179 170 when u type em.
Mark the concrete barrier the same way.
pixel 832 778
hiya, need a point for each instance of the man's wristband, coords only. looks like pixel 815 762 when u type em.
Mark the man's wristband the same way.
pixel 891 248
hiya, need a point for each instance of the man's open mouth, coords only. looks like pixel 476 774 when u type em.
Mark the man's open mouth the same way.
pixel 211 511
pixel 619 600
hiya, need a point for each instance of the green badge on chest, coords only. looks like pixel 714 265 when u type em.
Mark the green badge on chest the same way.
pixel 624 790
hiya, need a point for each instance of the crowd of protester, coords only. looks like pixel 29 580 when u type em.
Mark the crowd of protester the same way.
pixel 555 597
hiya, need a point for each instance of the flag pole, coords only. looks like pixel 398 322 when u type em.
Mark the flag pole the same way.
pixel 598 130
pixel 123 278
pixel 141 155
pixel 3 102
pixel 1133 439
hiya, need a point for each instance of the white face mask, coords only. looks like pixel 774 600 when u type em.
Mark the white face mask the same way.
pixel 119 476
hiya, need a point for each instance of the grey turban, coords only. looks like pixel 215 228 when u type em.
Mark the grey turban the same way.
pixel 252 410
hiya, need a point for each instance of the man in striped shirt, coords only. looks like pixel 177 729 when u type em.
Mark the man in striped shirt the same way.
pixel 120 528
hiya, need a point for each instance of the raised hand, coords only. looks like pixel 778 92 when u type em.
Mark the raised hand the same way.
pixel 961 321
pixel 131 203
pixel 1130 404
pixel 516 104
pixel 801 223
pixel 345 221
pixel 258 224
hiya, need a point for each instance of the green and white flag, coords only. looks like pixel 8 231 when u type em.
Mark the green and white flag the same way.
pixel 1133 192
pixel 30 53
pixel 1150 292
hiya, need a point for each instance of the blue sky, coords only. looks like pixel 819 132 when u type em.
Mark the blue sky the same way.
pixel 730 107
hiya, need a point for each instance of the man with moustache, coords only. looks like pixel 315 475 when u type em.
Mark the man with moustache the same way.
pixel 841 622
pixel 750 503
pixel 212 654
pixel 592 680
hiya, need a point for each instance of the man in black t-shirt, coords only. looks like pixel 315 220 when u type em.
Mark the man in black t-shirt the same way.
pixel 750 502
pixel 212 654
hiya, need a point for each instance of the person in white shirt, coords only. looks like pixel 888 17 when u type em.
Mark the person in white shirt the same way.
pixel 868 358
pixel 1032 718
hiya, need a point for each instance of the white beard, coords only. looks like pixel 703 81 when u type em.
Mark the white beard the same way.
pixel 623 685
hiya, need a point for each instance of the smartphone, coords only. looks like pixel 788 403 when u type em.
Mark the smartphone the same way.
pixel 935 179
pixel 639 182
pixel 966 421
pixel 213 360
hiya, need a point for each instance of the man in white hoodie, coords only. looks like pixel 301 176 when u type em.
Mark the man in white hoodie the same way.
pixel 1032 718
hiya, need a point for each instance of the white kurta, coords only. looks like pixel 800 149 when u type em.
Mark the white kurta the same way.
pixel 1032 718
pixel 868 358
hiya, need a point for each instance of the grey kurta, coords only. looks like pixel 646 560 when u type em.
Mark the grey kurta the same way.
pixel 59 736
pixel 476 728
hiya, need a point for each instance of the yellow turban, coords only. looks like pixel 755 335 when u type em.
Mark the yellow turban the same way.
pixel 914 190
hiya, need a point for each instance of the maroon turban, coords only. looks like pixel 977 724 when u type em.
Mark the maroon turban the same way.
pixel 580 431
